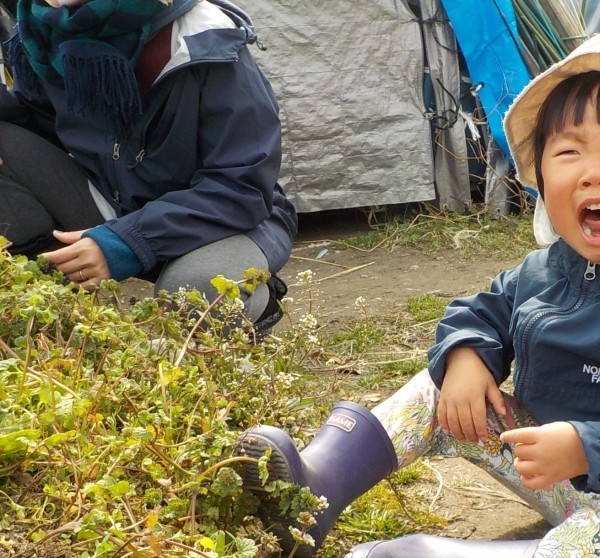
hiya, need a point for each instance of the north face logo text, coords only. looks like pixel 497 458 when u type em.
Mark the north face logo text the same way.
pixel 341 421
pixel 594 371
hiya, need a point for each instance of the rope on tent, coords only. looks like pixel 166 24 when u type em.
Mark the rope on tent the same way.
pixel 548 30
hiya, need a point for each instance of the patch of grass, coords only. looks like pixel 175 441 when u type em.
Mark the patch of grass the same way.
pixel 427 307
pixel 363 241
pixel 381 354
pixel 405 368
pixel 380 378
pixel 471 235
pixel 357 338
pixel 400 510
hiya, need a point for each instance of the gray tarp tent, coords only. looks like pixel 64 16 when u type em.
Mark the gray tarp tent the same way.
pixel 349 79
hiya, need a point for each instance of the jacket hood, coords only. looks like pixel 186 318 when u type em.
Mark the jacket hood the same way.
pixel 239 16
pixel 171 12
pixel 179 7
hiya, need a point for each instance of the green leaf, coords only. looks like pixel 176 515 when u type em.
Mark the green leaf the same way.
pixel 17 442
pixel 60 438
pixel 119 489
pixel 226 286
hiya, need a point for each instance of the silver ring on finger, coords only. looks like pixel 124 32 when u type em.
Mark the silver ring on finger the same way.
pixel 81 276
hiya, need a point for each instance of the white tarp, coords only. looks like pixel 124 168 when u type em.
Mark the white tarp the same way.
pixel 348 77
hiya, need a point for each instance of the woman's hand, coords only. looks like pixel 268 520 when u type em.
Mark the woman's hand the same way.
pixel 547 454
pixel 81 261
pixel 467 385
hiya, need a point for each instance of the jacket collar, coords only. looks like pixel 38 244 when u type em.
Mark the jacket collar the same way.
pixel 180 7
pixel 174 11
pixel 570 262
pixel 209 33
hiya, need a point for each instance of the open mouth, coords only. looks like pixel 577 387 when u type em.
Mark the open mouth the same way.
pixel 590 220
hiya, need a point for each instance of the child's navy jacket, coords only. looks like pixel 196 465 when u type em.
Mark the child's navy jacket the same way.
pixel 543 316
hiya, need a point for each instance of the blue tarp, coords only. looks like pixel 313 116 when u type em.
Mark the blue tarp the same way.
pixel 486 31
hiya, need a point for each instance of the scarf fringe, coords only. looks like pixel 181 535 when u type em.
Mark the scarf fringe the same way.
pixel 17 60
pixel 102 84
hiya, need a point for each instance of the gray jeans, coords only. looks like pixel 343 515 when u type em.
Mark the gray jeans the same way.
pixel 229 257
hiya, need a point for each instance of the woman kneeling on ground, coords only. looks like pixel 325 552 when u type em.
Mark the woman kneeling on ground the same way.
pixel 141 139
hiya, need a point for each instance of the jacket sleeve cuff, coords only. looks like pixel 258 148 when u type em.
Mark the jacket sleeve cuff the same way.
pixel 589 432
pixel 121 259
pixel 488 350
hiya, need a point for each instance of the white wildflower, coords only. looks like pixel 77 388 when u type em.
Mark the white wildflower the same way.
pixel 305 277
pixel 309 321
pixel 237 304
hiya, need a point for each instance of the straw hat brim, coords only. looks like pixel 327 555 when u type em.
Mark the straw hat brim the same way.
pixel 521 117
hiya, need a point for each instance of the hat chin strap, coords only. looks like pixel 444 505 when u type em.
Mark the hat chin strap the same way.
pixel 542 227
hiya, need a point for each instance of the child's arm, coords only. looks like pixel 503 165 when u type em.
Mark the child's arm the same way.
pixel 547 454
pixel 467 385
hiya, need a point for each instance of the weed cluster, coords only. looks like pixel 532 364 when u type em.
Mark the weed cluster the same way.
pixel 118 422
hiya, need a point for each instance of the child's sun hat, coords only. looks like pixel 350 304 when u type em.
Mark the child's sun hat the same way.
pixel 521 118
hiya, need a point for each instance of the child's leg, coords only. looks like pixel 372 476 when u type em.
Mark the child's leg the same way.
pixel 576 537
pixel 410 419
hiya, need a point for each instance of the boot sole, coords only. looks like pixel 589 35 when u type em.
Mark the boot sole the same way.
pixel 254 445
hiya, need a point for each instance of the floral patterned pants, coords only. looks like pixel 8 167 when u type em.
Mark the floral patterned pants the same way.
pixel 409 417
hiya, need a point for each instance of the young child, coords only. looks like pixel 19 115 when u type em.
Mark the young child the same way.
pixel 542 317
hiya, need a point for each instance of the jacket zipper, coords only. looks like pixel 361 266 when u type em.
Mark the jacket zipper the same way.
pixel 589 276
pixel 144 135
pixel 138 158
pixel 116 155
pixel 142 152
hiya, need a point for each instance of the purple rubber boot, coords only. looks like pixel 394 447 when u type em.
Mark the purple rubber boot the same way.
pixel 349 455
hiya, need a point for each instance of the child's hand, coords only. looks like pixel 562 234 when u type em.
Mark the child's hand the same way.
pixel 547 454
pixel 467 385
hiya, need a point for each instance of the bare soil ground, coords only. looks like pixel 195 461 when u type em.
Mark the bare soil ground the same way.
pixel 476 505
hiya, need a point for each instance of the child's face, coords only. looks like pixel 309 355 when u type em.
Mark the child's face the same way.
pixel 571 172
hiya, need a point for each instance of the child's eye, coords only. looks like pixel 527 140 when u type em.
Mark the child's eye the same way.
pixel 567 152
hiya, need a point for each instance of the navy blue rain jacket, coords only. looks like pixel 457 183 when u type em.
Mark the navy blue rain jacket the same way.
pixel 202 162
pixel 545 316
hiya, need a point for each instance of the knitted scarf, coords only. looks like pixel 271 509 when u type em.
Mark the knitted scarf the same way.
pixel 87 47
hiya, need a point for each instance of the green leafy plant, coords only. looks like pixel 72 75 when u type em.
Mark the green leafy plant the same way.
pixel 119 424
